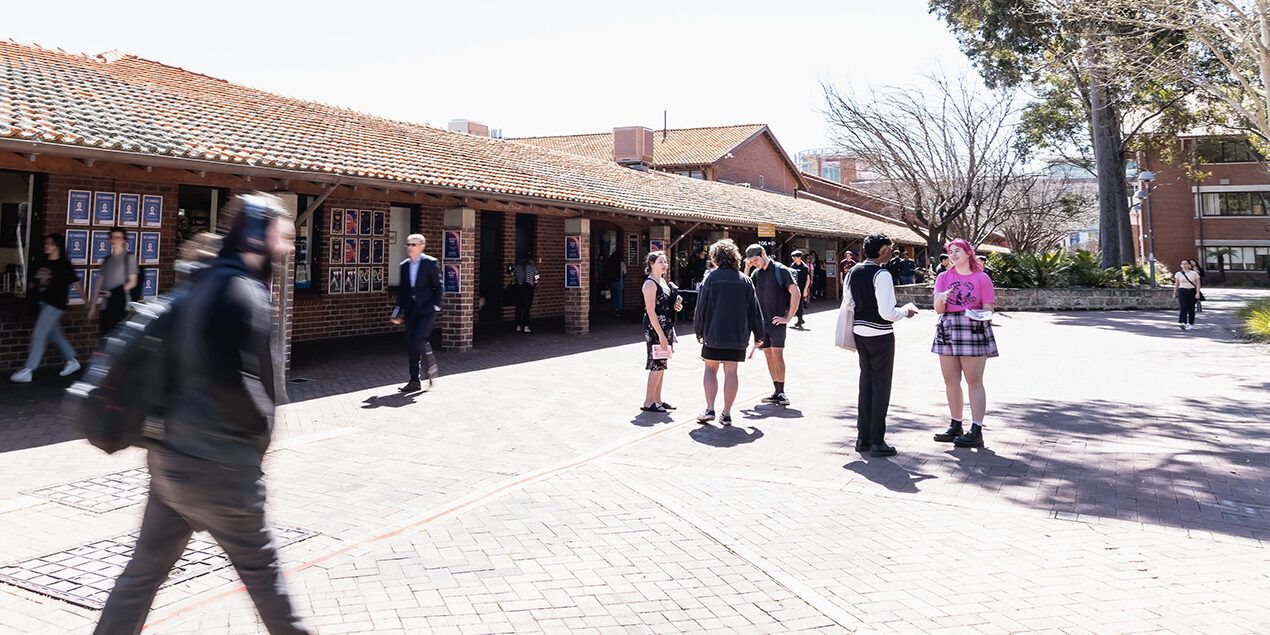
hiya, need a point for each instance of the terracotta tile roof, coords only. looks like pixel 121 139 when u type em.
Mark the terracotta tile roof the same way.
pixel 679 147
pixel 129 104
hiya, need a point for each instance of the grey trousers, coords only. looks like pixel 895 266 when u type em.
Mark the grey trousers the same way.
pixel 186 495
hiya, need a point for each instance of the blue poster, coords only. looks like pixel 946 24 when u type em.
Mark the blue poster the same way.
pixel 104 208
pixel 367 225
pixel 572 276
pixel 73 296
pixel 453 238
pixel 77 246
pixel 337 224
pixel 129 210
pixel 131 239
pixel 451 278
pixel 150 283
pixel 573 248
pixel 151 211
pixel 94 284
pixel 377 257
pixel 77 211
pixel 379 223
pixel 100 247
pixel 149 248
pixel 363 251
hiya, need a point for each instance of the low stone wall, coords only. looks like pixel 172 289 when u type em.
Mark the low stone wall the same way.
pixel 1057 299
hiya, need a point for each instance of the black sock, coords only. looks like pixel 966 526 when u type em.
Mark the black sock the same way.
pixel 974 427
pixel 780 386
pixel 956 422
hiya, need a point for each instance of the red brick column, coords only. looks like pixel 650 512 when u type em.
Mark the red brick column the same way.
pixel 458 314
pixel 577 302
pixel 282 288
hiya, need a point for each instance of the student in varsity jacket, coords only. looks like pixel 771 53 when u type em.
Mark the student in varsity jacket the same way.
pixel 869 290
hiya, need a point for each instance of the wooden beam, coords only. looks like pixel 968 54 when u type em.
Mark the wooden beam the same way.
pixel 316 203
pixel 682 236
pixel 88 162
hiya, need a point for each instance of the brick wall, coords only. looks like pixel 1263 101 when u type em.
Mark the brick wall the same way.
pixel 757 157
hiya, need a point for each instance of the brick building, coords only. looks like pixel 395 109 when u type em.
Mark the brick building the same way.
pixel 123 131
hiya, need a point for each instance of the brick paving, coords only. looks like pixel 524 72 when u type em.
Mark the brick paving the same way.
pixel 1123 489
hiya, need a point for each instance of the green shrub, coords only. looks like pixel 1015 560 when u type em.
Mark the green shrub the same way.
pixel 1256 319
pixel 1031 270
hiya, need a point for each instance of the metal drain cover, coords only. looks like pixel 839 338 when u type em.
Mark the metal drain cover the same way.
pixel 85 575
pixel 101 494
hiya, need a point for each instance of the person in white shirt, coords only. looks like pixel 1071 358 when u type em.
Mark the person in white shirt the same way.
pixel 869 291
pixel 1186 286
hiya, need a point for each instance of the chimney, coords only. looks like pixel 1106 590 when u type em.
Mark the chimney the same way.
pixel 469 127
pixel 633 146
pixel 850 172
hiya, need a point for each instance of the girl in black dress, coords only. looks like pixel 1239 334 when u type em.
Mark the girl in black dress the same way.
pixel 661 302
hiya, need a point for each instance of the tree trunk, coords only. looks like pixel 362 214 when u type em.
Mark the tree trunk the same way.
pixel 1113 206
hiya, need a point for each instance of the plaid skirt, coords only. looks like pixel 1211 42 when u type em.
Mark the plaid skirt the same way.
pixel 958 335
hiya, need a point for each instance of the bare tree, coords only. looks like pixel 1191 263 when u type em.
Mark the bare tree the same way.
pixel 939 151
pixel 1047 209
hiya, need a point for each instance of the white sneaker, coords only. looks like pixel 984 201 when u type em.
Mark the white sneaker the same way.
pixel 70 368
pixel 518 329
pixel 526 329
pixel 21 376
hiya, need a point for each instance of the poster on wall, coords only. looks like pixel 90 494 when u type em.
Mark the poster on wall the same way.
pixel 130 238
pixel 380 223
pixel 337 251
pixel 94 285
pixel 150 288
pixel 367 225
pixel 572 275
pixel 350 251
pixel 377 279
pixel 350 222
pixel 104 208
pixel 573 248
pixel 335 282
pixel 151 211
pixel 632 249
pixel 363 279
pixel 363 251
pixel 77 207
pixel 656 245
pixel 73 296
pixel 77 246
pixel 451 278
pixel 378 251
pixel 350 279
pixel 100 247
pixel 129 210
pixel 337 221
pixel 452 239
pixel 149 248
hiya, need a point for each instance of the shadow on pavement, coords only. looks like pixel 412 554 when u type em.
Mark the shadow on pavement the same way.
pixel 771 411
pixel 650 419
pixel 726 436
pixel 888 474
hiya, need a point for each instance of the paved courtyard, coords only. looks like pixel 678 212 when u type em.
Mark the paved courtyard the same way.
pixel 1125 488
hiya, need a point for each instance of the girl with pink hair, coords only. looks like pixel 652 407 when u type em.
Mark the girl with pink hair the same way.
pixel 963 342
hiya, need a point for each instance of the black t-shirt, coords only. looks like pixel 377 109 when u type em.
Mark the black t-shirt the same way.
pixel 51 282
pixel 772 286
pixel 801 270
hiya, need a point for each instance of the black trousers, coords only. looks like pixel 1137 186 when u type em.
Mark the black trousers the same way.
pixel 1186 306
pixel 877 365
pixel 419 343
pixel 115 311
pixel 524 302
pixel 227 501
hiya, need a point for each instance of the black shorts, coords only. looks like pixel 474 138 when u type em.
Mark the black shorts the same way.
pixel 723 354
pixel 774 336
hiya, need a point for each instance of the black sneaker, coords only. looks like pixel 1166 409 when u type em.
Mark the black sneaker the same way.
pixel 780 399
pixel 861 446
pixel 972 439
pixel 772 398
pixel 653 408
pixel 410 387
pixel 954 430
pixel 706 416
pixel 726 419
pixel 667 406
pixel 882 449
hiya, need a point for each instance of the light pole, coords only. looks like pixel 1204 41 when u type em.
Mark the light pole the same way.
pixel 1145 177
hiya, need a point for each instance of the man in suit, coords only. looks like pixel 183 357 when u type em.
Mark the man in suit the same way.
pixel 418 301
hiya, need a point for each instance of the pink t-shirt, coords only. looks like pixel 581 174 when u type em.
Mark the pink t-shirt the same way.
pixel 965 292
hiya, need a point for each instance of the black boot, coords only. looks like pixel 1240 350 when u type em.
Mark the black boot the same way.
pixel 972 439
pixel 954 430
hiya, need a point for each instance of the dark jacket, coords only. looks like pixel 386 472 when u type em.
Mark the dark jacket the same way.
pixel 226 384
pixel 727 312
pixel 427 290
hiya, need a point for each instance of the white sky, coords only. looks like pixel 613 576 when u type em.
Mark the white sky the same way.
pixel 529 68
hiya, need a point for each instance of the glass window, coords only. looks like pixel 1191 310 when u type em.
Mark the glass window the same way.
pixel 196 209
pixel 1235 203
pixel 1237 258
pixel 16 190
pixel 1227 150
pixel 831 171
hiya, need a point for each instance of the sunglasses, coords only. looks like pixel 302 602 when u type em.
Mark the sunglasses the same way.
pixel 414 244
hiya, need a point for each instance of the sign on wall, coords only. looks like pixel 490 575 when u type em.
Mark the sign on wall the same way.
pixel 451 278
pixel 573 248
pixel 100 247
pixel 77 246
pixel 151 211
pixel 452 239
pixel 632 249
pixel 150 288
pixel 104 208
pixel 129 210
pixel 656 245
pixel 73 296
pixel 78 210
pixel 572 275
pixel 149 248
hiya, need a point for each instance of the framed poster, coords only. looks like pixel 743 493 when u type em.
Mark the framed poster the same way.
pixel 350 222
pixel 377 278
pixel 149 248
pixel 337 251
pixel 572 275
pixel 363 279
pixel 77 246
pixel 151 211
pixel 100 247
pixel 380 223
pixel 104 208
pixel 335 280
pixel 452 239
pixel 451 278
pixel 367 225
pixel 150 284
pixel 129 210
pixel 378 250
pixel 94 283
pixel 573 248
pixel 77 207
pixel 363 251
pixel 632 249
pixel 131 239
pixel 337 221
pixel 656 245
pixel 73 296
pixel 350 279
pixel 350 251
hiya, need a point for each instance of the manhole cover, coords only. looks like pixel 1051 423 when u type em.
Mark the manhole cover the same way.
pixel 101 494
pixel 84 575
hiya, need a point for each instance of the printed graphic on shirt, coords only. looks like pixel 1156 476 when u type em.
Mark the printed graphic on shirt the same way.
pixel 961 293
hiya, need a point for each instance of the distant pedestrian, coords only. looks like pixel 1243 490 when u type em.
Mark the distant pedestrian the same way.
pixel 50 285
pixel 802 277
pixel 525 276
pixel 869 291
pixel 205 473
pixel 819 276
pixel 907 269
pixel 726 319
pixel 118 279
pixel 943 264
pixel 963 342
pixel 661 302
pixel 847 262
pixel 615 274
pixel 779 299
pixel 1186 287
pixel 418 302
pixel 1199 293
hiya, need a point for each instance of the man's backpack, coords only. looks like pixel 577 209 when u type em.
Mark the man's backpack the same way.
pixel 122 397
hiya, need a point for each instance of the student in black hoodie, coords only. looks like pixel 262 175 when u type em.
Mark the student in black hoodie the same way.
pixel 727 316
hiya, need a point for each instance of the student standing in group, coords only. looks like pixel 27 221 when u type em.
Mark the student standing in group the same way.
pixel 726 317
pixel 803 274
pixel 943 264
pixel 779 298
pixel 963 344
pixel 1186 288
pixel 50 289
pixel 525 276
pixel 118 279
pixel 869 291
pixel 418 302
pixel 661 302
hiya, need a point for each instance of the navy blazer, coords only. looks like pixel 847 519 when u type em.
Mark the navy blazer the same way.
pixel 426 291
